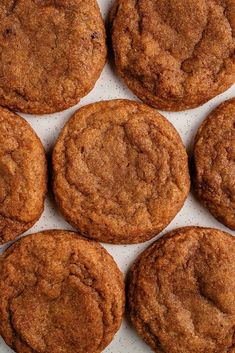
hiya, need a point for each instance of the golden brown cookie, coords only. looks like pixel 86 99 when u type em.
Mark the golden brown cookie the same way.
pixel 214 163
pixel 52 53
pixel 59 293
pixel 182 292
pixel 23 176
pixel 174 54
pixel 120 171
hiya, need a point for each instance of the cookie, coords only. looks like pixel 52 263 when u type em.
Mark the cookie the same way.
pixel 23 176
pixel 120 171
pixel 214 163
pixel 59 293
pixel 181 293
pixel 52 53
pixel 174 55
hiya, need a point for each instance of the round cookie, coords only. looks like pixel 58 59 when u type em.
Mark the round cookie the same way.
pixel 120 172
pixel 23 176
pixel 59 293
pixel 182 292
pixel 177 54
pixel 52 53
pixel 214 163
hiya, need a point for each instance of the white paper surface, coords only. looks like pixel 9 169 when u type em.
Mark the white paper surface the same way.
pixel 109 86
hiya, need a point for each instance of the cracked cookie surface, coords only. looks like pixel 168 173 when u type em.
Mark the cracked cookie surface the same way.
pixel 59 293
pixel 182 292
pixel 175 54
pixel 52 53
pixel 214 163
pixel 120 171
pixel 23 176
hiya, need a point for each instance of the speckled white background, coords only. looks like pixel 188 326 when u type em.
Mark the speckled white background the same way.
pixel 48 127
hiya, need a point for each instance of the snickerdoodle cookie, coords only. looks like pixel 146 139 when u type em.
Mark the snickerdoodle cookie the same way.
pixel 214 163
pixel 174 54
pixel 23 176
pixel 120 171
pixel 181 292
pixel 52 53
pixel 59 293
